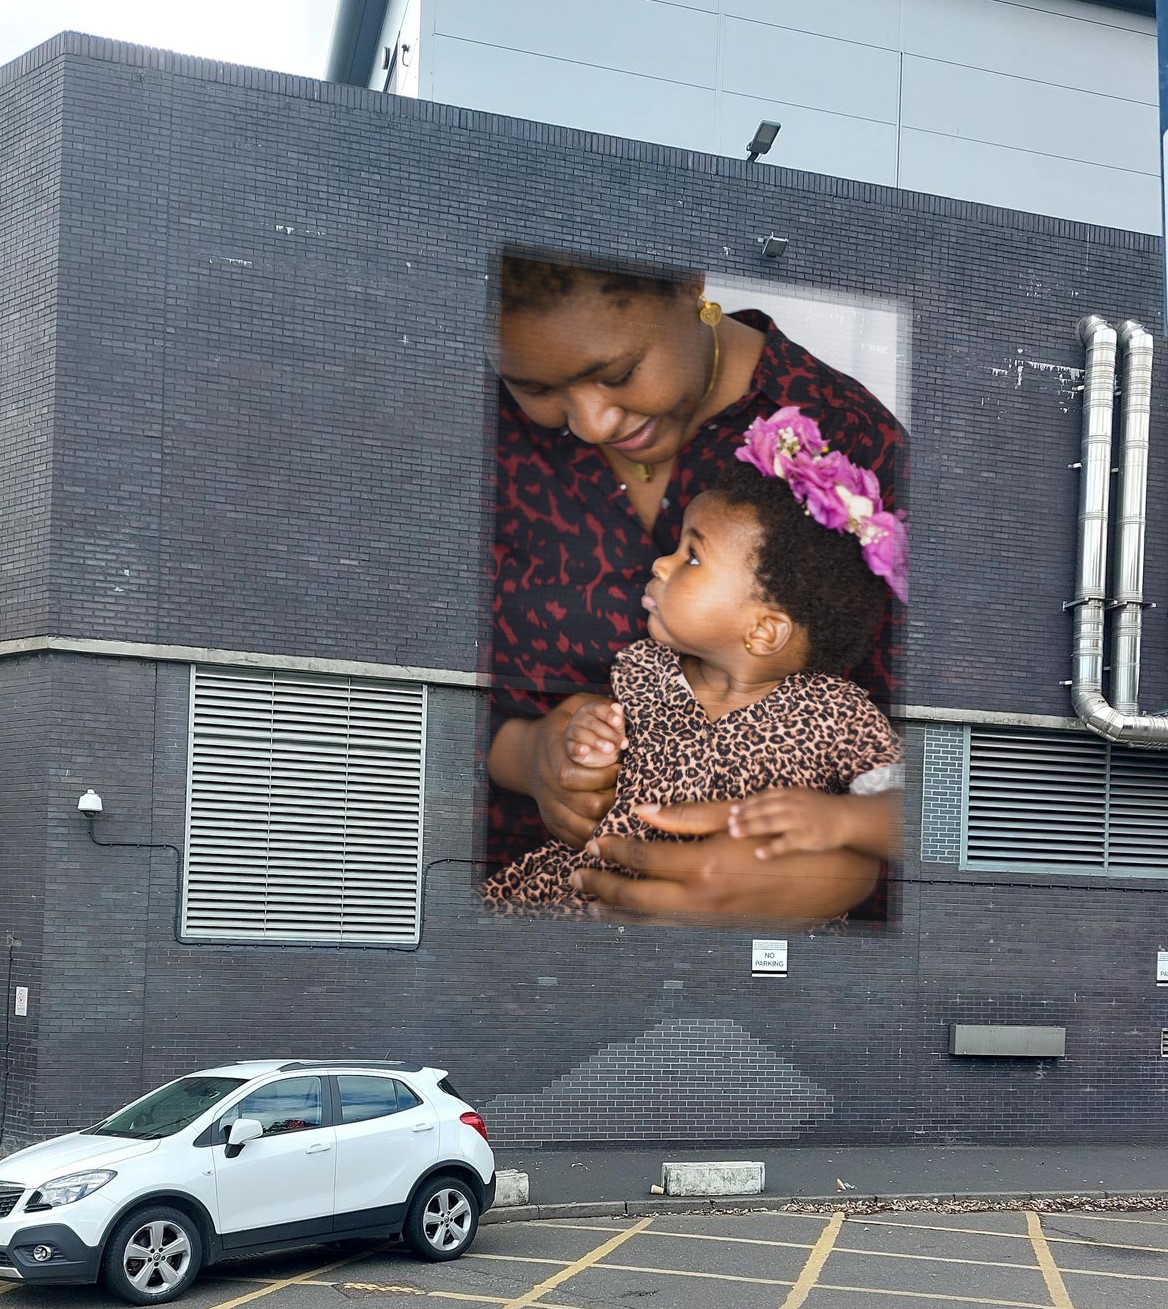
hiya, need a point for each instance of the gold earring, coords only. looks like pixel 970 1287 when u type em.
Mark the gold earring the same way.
pixel 710 312
pixel 749 647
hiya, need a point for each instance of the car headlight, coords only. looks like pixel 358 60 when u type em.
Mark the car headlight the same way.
pixel 64 1190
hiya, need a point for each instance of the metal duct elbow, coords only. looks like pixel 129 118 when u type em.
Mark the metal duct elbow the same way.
pixel 1121 722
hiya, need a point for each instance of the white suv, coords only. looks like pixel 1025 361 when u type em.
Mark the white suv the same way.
pixel 247 1157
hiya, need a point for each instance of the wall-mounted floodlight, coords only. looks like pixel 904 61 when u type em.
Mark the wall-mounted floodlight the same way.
pixel 763 139
pixel 89 804
pixel 773 247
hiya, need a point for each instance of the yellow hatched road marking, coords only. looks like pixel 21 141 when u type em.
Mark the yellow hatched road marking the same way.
pixel 805 1282
pixel 1050 1273
pixel 585 1261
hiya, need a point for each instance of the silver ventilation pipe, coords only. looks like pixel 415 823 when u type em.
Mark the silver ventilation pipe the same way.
pixel 1129 528
pixel 1121 723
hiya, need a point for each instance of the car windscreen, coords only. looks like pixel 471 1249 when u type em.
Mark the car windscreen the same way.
pixel 167 1110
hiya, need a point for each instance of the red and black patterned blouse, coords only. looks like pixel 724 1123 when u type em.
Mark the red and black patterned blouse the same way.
pixel 571 556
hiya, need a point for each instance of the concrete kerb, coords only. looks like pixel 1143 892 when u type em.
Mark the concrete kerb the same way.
pixel 858 1204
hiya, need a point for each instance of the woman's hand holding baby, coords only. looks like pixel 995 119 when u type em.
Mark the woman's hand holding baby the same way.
pixel 531 756
pixel 595 735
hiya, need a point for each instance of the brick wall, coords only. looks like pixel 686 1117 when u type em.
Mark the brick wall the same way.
pixel 272 433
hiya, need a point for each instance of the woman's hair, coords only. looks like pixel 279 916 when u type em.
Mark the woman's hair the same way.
pixel 537 281
pixel 814 574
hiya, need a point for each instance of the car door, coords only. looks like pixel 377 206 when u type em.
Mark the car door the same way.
pixel 387 1136
pixel 279 1186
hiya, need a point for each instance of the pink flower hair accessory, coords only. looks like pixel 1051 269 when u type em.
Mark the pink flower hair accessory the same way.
pixel 832 490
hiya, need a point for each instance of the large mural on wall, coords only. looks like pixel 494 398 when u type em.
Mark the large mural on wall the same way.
pixel 700 587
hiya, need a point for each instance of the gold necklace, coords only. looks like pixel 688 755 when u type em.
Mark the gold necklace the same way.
pixel 714 370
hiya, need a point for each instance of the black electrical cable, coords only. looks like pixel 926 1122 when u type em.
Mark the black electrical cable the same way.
pixel 7 1046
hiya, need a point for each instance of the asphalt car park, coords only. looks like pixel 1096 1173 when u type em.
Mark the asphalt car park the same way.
pixel 1017 1259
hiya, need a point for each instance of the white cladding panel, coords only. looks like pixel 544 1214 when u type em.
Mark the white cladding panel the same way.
pixel 1084 46
pixel 1040 105
pixel 1019 179
pixel 630 36
pixel 974 105
pixel 871 22
pixel 577 95
pixel 781 63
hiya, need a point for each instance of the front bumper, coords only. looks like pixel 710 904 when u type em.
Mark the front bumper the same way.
pixel 71 1260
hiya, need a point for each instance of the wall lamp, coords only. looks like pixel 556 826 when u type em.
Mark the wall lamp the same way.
pixel 763 139
pixel 773 247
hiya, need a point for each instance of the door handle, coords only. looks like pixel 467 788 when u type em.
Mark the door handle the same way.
pixel 319 1148
pixel 422 1127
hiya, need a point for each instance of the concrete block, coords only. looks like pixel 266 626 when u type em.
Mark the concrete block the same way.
pixel 510 1187
pixel 731 1177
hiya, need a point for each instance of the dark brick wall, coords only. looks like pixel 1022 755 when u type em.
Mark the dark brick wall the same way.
pixel 272 434
pixel 26 716
pixel 30 155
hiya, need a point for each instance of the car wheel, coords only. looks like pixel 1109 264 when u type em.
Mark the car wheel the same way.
pixel 442 1219
pixel 153 1255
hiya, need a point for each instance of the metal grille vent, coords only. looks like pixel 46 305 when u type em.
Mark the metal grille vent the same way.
pixel 1065 799
pixel 1164 1042
pixel 305 809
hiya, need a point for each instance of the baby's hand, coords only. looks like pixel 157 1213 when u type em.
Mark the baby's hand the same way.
pixel 793 819
pixel 596 734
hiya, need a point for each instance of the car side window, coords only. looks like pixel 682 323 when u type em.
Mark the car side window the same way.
pixel 291 1105
pixel 364 1097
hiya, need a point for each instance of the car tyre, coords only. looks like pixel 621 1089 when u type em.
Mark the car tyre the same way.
pixel 442 1219
pixel 153 1255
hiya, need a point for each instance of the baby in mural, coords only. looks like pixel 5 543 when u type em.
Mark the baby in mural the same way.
pixel 775 589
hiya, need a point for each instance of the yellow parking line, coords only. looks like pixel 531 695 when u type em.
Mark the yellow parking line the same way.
pixel 1050 1273
pixel 934 1258
pixel 585 1261
pixel 948 1299
pixel 936 1227
pixel 519 1259
pixel 290 1281
pixel 689 1272
pixel 809 1275
pixel 1128 1277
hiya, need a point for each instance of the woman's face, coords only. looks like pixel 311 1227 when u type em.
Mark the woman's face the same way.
pixel 628 372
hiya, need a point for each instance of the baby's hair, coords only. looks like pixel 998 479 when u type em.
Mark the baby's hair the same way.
pixel 539 280
pixel 814 574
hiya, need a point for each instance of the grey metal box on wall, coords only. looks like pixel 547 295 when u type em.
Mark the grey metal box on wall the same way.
pixel 1007 1041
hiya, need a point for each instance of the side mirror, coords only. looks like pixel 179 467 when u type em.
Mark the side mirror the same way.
pixel 240 1132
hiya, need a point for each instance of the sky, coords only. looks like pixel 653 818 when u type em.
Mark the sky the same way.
pixel 289 36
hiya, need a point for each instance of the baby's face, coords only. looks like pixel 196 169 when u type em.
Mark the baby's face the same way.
pixel 699 597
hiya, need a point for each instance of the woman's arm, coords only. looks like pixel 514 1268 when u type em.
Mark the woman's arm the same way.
pixel 719 879
pixel 530 756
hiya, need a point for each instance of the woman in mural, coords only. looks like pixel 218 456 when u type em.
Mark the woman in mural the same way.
pixel 622 397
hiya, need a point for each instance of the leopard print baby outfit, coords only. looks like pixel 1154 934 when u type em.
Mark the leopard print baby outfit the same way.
pixel 813 730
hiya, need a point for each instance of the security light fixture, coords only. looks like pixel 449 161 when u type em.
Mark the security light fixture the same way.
pixel 773 247
pixel 89 804
pixel 763 139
